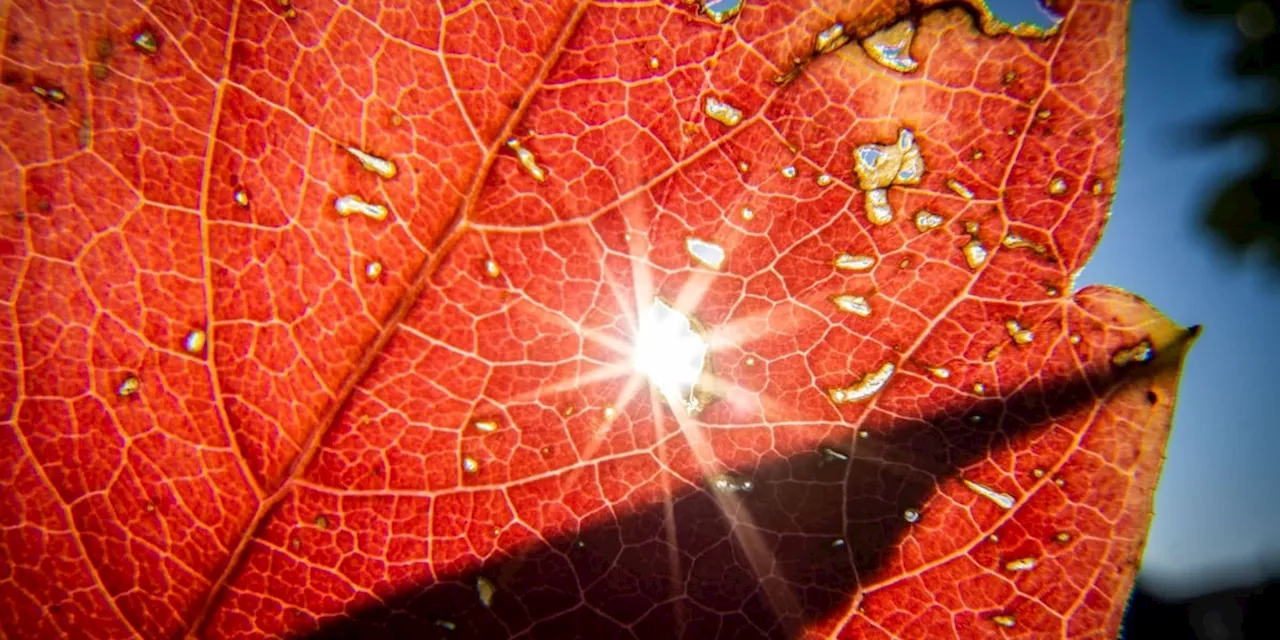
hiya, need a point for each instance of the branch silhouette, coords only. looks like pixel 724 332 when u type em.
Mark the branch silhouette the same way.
pixel 605 581
pixel 1245 213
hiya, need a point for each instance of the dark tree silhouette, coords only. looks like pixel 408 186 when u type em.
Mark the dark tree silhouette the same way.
pixel 1245 213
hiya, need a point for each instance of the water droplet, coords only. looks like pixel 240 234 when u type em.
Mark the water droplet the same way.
pixel 959 189
pixel 1044 114
pixel 830 454
pixel 721 11
pixel 979 388
pixel 849 262
pixel 751 361
pixel 1021 564
pixel 722 112
pixel 1039 473
pixel 654 63
pixel 129 386
pixel 1015 241
pixel 993 538
pixel 911 515
pixel 1141 352
pixel 730 483
pixel 1060 482
pixel 52 95
pixel 850 303
pixel 788 172
pixel 610 413
pixel 1002 500
pixel 241 197
pixel 838 543
pixel 486 426
pixel 977 154
pixel 470 465
pixel 527 160
pixel 381 166
pixel 491 268
pixel 866 387
pixel 975 418
pixel 829 39
pixel 940 373
pixel 194 343
pixel 1097 188
pixel 146 42
pixel 926 221
pixel 1074 338
pixel 1005 620
pixel 1018 333
pixel 349 204
pixel 743 167
pixel 748 213
pixel 150 507
pixel 1062 537
pixel 878 210
pixel 974 254
pixel 891 47
pixel 879 166
pixel 708 254
pixel 447 625
pixel 1057 186
pixel 864 434
pixel 485 589
pixel 568 410
pixel 373 270
pixel 823 180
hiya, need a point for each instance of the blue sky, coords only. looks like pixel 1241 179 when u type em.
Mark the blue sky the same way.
pixel 1217 513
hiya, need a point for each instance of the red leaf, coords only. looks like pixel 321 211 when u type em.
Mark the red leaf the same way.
pixel 222 420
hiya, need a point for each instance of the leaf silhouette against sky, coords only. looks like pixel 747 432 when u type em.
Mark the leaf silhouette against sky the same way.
pixel 330 320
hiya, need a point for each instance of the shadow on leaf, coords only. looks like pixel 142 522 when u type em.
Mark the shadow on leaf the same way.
pixel 827 525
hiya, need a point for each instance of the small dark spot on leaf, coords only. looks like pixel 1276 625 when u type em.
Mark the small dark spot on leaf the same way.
pixel 14 39
pixel 322 522
pixel 1152 397
pixel 99 71
pixel 104 48
pixel 44 205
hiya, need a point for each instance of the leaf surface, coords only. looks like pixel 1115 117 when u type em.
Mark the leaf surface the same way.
pixel 456 442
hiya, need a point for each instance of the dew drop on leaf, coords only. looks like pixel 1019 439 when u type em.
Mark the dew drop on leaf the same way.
pixel 941 373
pixel 959 189
pixel 879 212
pixel 707 254
pixel 1057 186
pixel 829 39
pixel 879 166
pixel 1021 564
pixel 1015 241
pixel 721 11
pixel 850 262
pixel 838 543
pixel 146 42
pixel 891 47
pixel 979 388
pixel 380 166
pixel 926 221
pixel 1141 352
pixel 486 426
pixel 527 160
pixel 241 197
pixel 1019 334
pixel 447 625
pixel 850 303
pixel 1074 338
pixel 194 342
pixel 1001 499
pixel 470 465
pixel 491 268
pixel 1005 620
pixel 911 515
pixel 349 204
pixel 128 387
pixel 748 213
pixel 654 63
pixel 788 172
pixel 373 270
pixel 485 590
pixel 823 180
pixel 974 253
pixel 1062 537
pixel 730 483
pixel 868 386
pixel 53 95
pixel 722 112
pixel 831 454
pixel 743 166
pixel 1037 472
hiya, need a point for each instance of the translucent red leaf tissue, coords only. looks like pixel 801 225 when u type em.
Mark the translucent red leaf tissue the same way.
pixel 727 318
